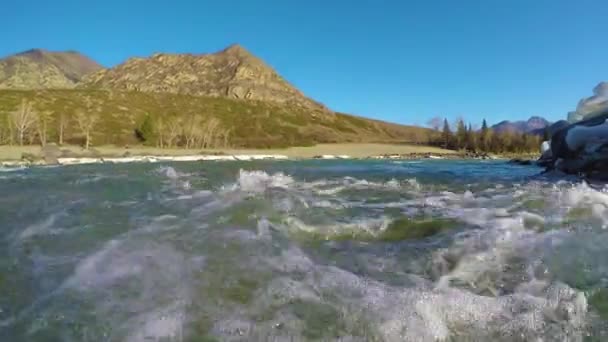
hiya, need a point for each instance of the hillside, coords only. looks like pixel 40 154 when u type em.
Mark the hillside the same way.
pixel 233 73
pixel 41 69
pixel 171 120
pixel 534 125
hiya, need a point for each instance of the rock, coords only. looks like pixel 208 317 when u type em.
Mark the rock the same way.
pixel 520 161
pixel 29 157
pixel 591 106
pixel 566 142
pixel 579 148
pixel 557 126
pixel 50 153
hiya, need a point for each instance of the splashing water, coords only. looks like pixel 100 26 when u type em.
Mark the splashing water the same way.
pixel 316 250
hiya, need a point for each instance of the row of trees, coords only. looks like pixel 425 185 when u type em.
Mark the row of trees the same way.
pixel 190 132
pixel 27 126
pixel 464 137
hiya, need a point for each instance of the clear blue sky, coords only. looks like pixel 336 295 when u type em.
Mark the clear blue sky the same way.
pixel 403 61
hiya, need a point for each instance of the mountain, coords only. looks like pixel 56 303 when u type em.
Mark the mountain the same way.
pixel 229 98
pixel 40 69
pixel 534 125
pixel 233 73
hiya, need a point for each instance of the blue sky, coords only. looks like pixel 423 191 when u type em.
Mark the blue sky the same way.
pixel 402 61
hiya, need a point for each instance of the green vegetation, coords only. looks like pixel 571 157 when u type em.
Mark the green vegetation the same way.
pixel 103 117
pixel 485 140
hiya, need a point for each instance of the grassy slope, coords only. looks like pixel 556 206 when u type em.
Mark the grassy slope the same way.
pixel 253 124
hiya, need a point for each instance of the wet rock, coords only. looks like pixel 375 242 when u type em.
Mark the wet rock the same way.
pixel 521 161
pixel 580 148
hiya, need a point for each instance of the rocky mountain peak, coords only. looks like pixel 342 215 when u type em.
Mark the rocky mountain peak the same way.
pixel 39 68
pixel 236 50
pixel 232 72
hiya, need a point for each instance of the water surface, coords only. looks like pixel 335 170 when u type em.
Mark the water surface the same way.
pixel 301 251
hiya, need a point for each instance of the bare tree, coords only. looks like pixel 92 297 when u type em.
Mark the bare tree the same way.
pixel 86 122
pixel 159 130
pixel 22 119
pixel 42 120
pixel 62 123
pixel 172 131
pixel 4 129
pixel 435 123
pixel 192 131
pixel 226 137
pixel 209 133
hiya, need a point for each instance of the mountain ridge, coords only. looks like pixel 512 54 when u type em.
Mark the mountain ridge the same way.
pixel 232 72
pixel 534 125
pixel 44 69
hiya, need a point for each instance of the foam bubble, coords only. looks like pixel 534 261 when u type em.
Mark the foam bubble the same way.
pixel 260 181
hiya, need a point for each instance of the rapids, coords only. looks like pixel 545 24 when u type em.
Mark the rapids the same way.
pixel 299 251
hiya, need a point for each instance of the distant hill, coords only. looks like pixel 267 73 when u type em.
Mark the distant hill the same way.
pixel 534 125
pixel 233 73
pixel 253 124
pixel 230 97
pixel 42 69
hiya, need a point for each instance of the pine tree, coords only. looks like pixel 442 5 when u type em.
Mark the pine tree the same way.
pixel 461 135
pixel 446 134
pixel 471 139
pixel 484 138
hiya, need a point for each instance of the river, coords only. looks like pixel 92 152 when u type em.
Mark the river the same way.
pixel 429 250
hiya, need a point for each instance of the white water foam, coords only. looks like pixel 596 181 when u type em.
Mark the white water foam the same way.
pixel 260 181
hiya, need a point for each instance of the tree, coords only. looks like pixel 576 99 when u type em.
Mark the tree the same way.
pixel 62 123
pixel 226 137
pixel 172 131
pixel 5 130
pixel 471 139
pixel 484 138
pixel 209 133
pixel 87 118
pixel 86 122
pixel 145 132
pixel 461 134
pixel 22 120
pixel 42 120
pixel 435 123
pixel 159 129
pixel 446 134
pixel 192 131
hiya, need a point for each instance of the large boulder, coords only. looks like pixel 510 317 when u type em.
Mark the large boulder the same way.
pixel 591 106
pixel 557 126
pixel 582 146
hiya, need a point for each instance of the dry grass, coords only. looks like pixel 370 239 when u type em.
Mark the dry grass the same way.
pixel 354 150
pixel 251 124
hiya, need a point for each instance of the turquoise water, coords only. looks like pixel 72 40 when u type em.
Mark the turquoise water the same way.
pixel 301 251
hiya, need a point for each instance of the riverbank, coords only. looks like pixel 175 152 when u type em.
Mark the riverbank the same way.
pixel 72 154
pixel 11 156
